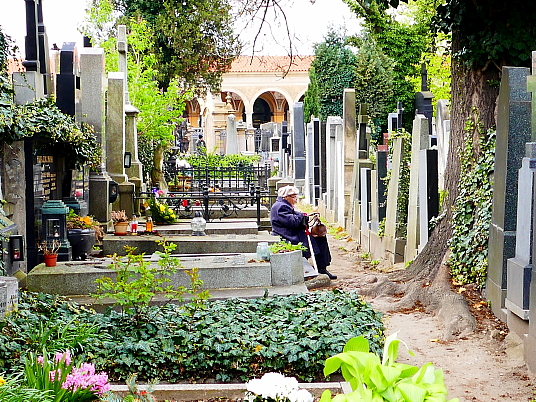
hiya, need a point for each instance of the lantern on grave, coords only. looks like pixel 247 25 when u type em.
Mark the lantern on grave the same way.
pixel 198 224
pixel 54 226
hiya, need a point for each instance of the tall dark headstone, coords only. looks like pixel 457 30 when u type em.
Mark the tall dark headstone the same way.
pixel 43 50
pixel 423 99
pixel 381 168
pixel 362 121
pixel 66 80
pixel 31 42
pixel 513 131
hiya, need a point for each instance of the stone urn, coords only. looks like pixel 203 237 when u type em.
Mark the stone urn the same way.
pixel 287 268
pixel 82 241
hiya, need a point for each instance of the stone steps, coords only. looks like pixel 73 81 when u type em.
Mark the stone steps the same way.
pixel 187 244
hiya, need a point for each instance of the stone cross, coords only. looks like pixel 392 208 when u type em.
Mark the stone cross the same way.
pixel 122 49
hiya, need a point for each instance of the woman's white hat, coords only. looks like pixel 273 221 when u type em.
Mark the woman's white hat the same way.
pixel 287 190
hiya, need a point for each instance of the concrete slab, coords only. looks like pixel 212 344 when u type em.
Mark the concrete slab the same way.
pixel 187 244
pixel 195 392
pixel 228 226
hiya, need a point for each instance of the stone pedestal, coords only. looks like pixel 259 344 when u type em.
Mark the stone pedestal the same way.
pixel 287 268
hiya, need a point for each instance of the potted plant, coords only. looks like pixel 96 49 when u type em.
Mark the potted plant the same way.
pixel 161 213
pixel 120 220
pixel 82 233
pixel 50 251
pixel 286 263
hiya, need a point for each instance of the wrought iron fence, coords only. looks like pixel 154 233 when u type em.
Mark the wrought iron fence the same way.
pixel 215 205
pixel 226 179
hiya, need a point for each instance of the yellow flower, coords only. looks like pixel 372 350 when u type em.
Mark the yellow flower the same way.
pixel 2 381
pixel 162 208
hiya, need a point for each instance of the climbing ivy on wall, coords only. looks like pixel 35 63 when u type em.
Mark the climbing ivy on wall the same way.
pixel 403 183
pixel 43 120
pixel 468 245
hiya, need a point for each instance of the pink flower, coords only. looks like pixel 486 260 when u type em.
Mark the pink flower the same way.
pixel 41 360
pixel 84 377
pixel 66 357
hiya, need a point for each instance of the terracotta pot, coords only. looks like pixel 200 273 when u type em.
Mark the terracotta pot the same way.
pixel 50 259
pixel 120 228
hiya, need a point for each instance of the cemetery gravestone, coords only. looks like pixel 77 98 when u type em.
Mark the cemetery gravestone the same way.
pixel 513 131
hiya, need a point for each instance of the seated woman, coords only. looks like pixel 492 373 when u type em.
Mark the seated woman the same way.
pixel 291 224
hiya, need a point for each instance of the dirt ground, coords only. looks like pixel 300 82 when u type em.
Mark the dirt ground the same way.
pixel 484 366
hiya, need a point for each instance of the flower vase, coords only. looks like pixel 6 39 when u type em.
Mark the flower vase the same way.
pixel 120 228
pixel 50 259
pixel 82 241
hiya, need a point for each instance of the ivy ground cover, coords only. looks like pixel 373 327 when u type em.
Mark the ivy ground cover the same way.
pixel 231 340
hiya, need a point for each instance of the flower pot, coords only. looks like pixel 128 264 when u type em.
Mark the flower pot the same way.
pixel 82 241
pixel 50 259
pixel 120 228
pixel 287 268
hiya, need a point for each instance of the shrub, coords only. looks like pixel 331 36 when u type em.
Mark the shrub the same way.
pixel 237 339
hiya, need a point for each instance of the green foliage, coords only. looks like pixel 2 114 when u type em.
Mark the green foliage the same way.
pixel 41 119
pixel 332 71
pixel 12 390
pixel 401 40
pixel 134 393
pixel 66 381
pixel 311 102
pixel 373 380
pixel 285 246
pixel 494 32
pixel 160 211
pixel 403 182
pixel 192 41
pixel 473 207
pixel 374 83
pixel 234 339
pixel 213 160
pixel 138 281
pixel 52 130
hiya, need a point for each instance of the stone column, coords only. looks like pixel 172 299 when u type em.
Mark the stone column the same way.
pixel 298 146
pixel 231 146
pixel 92 87
pixel 419 140
pixel 394 246
pixel 443 139
pixel 350 146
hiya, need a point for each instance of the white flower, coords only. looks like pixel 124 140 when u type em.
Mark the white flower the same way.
pixel 277 386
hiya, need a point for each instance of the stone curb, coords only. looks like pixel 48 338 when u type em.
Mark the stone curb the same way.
pixel 191 392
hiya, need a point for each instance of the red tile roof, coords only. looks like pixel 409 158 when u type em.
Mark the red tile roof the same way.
pixel 249 64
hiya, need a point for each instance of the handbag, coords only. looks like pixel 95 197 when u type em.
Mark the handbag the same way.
pixel 318 229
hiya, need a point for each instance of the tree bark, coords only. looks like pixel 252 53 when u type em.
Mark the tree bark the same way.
pixel 427 279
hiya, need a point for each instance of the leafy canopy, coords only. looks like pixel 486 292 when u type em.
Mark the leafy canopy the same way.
pixel 192 40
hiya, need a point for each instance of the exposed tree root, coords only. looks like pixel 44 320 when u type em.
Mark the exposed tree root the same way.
pixel 433 293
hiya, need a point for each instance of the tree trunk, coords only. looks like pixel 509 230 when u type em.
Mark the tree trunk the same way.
pixel 427 279
pixel 157 174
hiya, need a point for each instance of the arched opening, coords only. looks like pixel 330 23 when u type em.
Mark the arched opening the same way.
pixel 261 113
